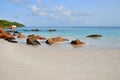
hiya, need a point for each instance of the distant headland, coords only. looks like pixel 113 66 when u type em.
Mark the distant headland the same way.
pixel 8 24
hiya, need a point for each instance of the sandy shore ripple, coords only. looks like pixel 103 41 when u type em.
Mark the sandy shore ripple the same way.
pixel 20 62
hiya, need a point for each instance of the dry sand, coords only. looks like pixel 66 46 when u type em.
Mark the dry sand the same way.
pixel 20 62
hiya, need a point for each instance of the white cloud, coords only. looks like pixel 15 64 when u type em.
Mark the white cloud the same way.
pixel 63 11
pixel 37 11
pixel 54 17
pixel 72 13
pixel 59 13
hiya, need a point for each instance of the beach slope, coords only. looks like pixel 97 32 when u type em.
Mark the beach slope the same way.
pixel 22 62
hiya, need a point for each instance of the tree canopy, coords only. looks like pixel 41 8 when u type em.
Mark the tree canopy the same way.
pixel 8 24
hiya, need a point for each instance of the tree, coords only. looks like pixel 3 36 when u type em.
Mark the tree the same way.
pixel 8 24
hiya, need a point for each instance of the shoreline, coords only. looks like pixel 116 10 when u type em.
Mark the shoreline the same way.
pixel 62 45
pixel 95 60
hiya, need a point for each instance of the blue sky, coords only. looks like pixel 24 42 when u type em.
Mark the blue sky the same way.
pixel 62 12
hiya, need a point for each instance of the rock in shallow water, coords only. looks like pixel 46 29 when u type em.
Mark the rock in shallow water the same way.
pixel 11 40
pixel 32 41
pixel 37 37
pixel 21 36
pixel 54 40
pixel 94 35
pixel 77 42
pixel 51 30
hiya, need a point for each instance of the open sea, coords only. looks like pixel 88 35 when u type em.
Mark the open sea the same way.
pixel 110 36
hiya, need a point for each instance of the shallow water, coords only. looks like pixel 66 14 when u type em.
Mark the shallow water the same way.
pixel 110 39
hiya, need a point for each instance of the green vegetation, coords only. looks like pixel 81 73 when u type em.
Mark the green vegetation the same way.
pixel 8 24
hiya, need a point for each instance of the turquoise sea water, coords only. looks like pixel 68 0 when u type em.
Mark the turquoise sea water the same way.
pixel 110 39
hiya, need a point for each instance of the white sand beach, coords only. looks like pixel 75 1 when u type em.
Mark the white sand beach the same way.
pixel 22 62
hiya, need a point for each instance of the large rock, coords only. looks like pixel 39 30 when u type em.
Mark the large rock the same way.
pixel 77 42
pixel 94 36
pixel 2 31
pixel 51 30
pixel 32 41
pixel 59 39
pixel 31 35
pixel 56 39
pixel 12 40
pixel 37 37
pixel 21 36
pixel 2 36
pixel 8 36
pixel 35 30
pixel 50 42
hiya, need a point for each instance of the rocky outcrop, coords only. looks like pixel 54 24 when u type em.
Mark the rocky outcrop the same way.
pixel 77 42
pixel 51 30
pixel 32 41
pixel 37 37
pixel 50 42
pixel 7 36
pixel 2 31
pixel 31 35
pixel 35 30
pixel 21 36
pixel 94 36
pixel 12 40
pixel 2 36
pixel 54 40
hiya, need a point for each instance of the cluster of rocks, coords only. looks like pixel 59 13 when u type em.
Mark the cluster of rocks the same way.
pixel 34 39
pixel 7 36
pixel 32 30
pixel 50 30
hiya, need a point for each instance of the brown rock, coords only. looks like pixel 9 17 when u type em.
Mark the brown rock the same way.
pixel 50 42
pixel 77 42
pixel 12 41
pixel 32 35
pixel 2 31
pixel 32 41
pixel 5 35
pixel 21 36
pixel 2 35
pixel 39 37
pixel 8 36
pixel 56 39
pixel 59 39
